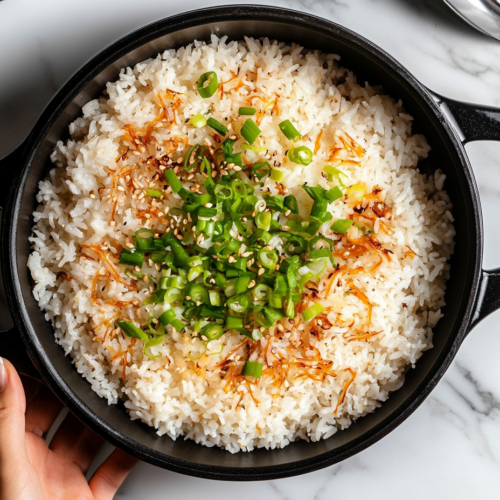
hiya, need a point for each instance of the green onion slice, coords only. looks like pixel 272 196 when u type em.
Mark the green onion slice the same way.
pixel 268 258
pixel 301 155
pixel 155 193
pixel 173 181
pixel 289 130
pixel 217 126
pixel 212 331
pixel 238 303
pixel 198 121
pixel 290 202
pixel 250 131
pixel 255 149
pixel 260 169
pixel 341 226
pixel 263 220
pixel 151 343
pixel 131 330
pixel 311 312
pixel 252 369
pixel 246 111
pixel 208 84
pixel 335 172
pixel 261 291
pixel 334 194
pixel 276 175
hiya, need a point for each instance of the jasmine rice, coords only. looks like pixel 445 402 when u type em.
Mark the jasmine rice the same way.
pixel 359 316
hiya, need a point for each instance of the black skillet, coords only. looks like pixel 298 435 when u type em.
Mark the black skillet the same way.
pixel 472 293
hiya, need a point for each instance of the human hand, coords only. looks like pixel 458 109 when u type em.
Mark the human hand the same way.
pixel 32 470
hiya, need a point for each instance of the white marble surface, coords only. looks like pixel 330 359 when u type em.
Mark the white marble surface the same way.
pixel 450 448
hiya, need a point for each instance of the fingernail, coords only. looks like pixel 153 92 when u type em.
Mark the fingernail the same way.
pixel 3 375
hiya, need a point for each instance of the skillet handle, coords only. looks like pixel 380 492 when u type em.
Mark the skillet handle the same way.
pixel 11 344
pixel 488 297
pixel 473 122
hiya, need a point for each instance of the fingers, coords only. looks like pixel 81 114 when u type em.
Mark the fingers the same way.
pixel 42 409
pixel 76 443
pixel 12 408
pixel 111 474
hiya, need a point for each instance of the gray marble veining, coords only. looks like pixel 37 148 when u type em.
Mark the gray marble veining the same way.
pixel 450 448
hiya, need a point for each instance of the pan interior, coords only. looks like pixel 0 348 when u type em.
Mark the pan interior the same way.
pixel 369 65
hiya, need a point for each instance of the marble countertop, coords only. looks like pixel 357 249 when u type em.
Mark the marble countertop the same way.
pixel 450 447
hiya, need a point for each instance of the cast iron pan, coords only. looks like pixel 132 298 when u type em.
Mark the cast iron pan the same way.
pixel 471 292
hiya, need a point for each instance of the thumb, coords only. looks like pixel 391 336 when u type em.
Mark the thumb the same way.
pixel 12 409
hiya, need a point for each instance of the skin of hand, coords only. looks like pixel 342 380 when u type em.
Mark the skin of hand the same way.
pixel 32 470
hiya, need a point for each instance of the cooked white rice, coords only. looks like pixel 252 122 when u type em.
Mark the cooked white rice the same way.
pixel 170 392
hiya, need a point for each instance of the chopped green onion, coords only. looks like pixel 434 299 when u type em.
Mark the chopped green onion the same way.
pixel 193 157
pixel 151 343
pixel 289 130
pixel 335 172
pixel 252 369
pixel 167 317
pixel 322 252
pixel 315 192
pixel 246 111
pixel 217 126
pixel 268 258
pixel 261 235
pixel 290 202
pixel 280 286
pixel 212 331
pixel 261 291
pixel 130 258
pixel 356 192
pixel 223 192
pixel 234 323
pixel 301 155
pixel 198 121
pixel 263 220
pixel 333 194
pixel 220 280
pixel 250 131
pixel 276 300
pixel 239 188
pixel 131 330
pixel 260 169
pixel 207 212
pixel 213 312
pixel 341 226
pixel 197 293
pixel 238 303
pixel 275 202
pixel 290 307
pixel 311 312
pixel 173 180
pixel 195 272
pixel 214 297
pixel 241 284
pixel 306 226
pixel 208 84
pixel 272 315
pixel 255 149
pixel 276 175
pixel 295 245
pixel 155 193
